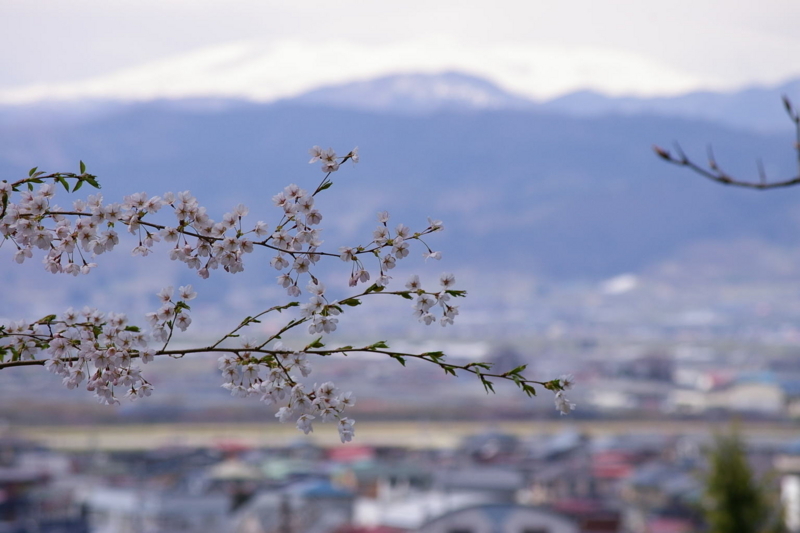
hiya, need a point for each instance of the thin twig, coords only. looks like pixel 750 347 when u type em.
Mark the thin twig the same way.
pixel 714 173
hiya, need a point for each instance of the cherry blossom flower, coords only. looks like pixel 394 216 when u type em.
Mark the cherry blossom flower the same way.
pixel 563 404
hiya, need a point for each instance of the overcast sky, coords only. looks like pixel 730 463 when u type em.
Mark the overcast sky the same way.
pixel 266 49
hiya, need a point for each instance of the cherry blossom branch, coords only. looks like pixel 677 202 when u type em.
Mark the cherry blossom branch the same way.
pixel 253 320
pixel 99 350
pixel 436 358
pixel 715 173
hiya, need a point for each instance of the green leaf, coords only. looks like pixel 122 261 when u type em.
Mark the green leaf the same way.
pixel 32 171
pixel 132 328
pixel 83 168
pixel 78 185
pixel 406 295
pixel 316 344
pixel 399 359
pixel 324 185
pixel 378 345
pixel 553 385
pixel 436 357
pixel 48 319
pixel 348 347
pixel 93 182
pixel 352 302
pixel 63 182
pixel 374 288
pixel 516 370
pixel 457 294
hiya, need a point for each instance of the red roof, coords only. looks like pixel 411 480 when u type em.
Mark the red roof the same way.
pixel 669 525
pixel 350 454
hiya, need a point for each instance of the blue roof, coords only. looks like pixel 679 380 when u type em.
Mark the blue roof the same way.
pixel 791 386
pixel 320 488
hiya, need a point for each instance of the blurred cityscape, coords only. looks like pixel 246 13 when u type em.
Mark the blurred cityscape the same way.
pixel 490 481
pixel 432 453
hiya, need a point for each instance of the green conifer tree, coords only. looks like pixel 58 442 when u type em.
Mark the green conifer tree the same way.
pixel 735 501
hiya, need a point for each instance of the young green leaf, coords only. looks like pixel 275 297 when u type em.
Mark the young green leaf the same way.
pixel 48 319
pixel 378 345
pixel 516 371
pixel 315 344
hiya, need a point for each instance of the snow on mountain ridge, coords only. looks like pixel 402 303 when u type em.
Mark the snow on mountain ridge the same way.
pixel 265 72
pixel 417 93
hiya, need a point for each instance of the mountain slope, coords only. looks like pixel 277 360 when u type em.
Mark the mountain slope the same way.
pixel 757 108
pixel 564 197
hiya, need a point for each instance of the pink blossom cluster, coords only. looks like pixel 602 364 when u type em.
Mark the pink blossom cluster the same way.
pixel 275 380
pixel 87 346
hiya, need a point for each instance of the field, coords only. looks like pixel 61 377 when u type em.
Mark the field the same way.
pixel 407 434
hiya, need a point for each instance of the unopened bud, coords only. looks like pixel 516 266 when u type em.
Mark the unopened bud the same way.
pixel 661 152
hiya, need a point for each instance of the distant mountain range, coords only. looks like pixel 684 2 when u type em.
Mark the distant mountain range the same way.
pixel 756 108
pixel 752 108
pixel 562 190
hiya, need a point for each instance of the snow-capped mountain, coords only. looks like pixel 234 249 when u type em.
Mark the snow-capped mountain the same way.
pixel 417 93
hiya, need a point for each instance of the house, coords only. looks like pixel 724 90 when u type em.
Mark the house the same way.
pixel 312 506
pixel 758 393
pixel 119 510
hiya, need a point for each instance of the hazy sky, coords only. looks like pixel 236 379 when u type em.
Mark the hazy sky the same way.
pixel 266 49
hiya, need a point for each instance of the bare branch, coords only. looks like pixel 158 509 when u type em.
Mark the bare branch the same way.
pixel 715 173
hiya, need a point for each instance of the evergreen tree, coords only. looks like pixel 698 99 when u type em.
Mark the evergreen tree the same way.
pixel 737 502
